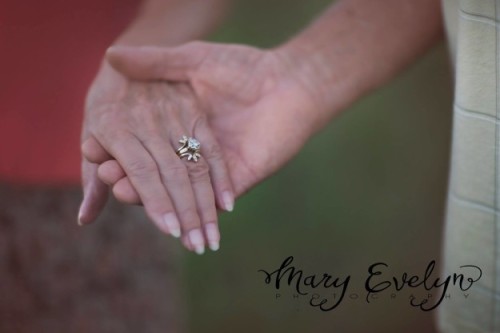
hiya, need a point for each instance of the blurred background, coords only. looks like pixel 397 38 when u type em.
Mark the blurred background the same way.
pixel 370 187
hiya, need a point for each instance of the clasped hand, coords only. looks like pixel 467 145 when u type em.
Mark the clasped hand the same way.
pixel 246 106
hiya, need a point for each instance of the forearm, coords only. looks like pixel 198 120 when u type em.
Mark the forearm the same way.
pixel 158 23
pixel 358 45
pixel 171 22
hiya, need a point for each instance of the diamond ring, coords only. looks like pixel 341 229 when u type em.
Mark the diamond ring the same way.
pixel 190 148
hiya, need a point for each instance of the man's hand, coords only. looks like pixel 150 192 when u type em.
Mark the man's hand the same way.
pixel 263 105
pixel 260 114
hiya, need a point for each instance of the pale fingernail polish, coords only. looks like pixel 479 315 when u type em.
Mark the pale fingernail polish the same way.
pixel 196 239
pixel 228 199
pixel 212 236
pixel 80 222
pixel 186 243
pixel 172 224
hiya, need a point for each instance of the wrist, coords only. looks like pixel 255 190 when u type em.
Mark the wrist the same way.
pixel 330 80
pixel 173 22
pixel 357 46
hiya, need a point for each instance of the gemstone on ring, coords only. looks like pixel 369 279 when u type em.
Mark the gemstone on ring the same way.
pixel 193 144
pixel 190 148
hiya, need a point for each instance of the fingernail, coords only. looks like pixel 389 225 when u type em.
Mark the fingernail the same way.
pixel 172 224
pixel 196 239
pixel 186 243
pixel 112 48
pixel 212 236
pixel 80 222
pixel 228 199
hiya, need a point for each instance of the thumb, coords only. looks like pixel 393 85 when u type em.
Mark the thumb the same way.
pixel 95 194
pixel 157 63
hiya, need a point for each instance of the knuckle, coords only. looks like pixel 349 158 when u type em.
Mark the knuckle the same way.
pixel 110 172
pixel 145 115
pixel 106 120
pixel 141 169
pixel 189 218
pixel 124 193
pixel 198 171
pixel 209 215
pixel 156 207
pixel 156 203
pixel 176 172
pixel 151 138
pixel 112 137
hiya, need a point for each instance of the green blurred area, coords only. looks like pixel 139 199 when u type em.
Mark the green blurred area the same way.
pixel 370 187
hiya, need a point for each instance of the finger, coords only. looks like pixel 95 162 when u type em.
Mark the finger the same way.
pixel 94 152
pixel 110 172
pixel 199 175
pixel 95 194
pixel 143 174
pixel 176 179
pixel 219 173
pixel 125 192
pixel 149 62
pixel 187 243
pixel 213 235
pixel 205 200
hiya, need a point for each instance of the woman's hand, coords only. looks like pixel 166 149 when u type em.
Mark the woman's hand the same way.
pixel 139 124
pixel 260 110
